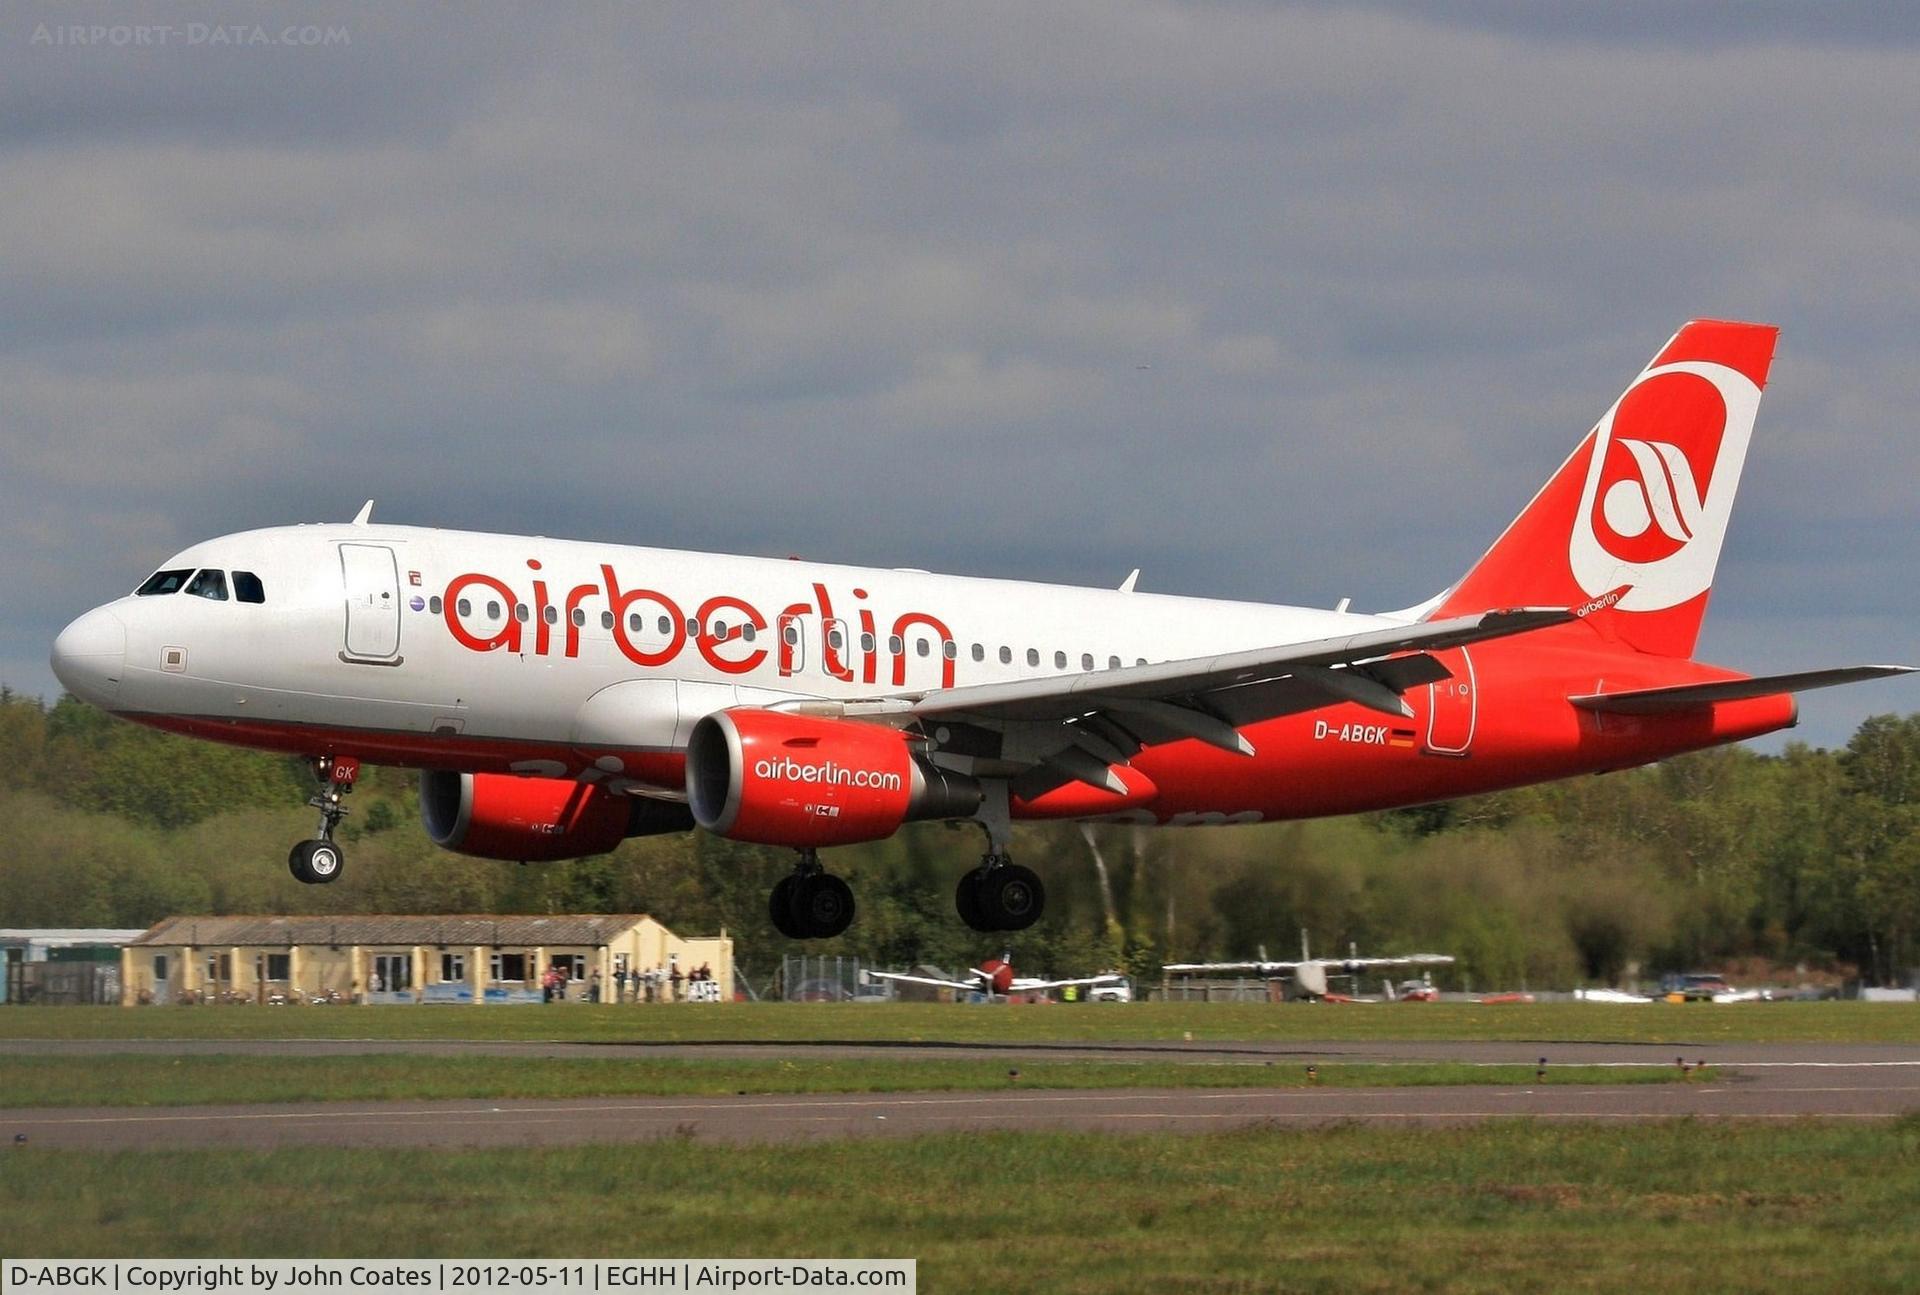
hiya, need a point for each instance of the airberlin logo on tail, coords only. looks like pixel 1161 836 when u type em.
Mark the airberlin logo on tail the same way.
pixel 1666 461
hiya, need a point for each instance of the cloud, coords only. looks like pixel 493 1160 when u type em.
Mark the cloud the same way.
pixel 1279 302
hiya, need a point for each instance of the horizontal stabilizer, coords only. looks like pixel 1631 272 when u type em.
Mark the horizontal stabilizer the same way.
pixel 1656 701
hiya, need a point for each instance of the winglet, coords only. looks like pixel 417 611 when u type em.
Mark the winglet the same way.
pixel 1126 586
pixel 365 514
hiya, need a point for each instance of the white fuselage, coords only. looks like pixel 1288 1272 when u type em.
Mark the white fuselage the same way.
pixel 571 654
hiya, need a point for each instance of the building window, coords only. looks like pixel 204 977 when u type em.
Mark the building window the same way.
pixel 453 967
pixel 160 968
pixel 392 972
pixel 279 966
pixel 508 966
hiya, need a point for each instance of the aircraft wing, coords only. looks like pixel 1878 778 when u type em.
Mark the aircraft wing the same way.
pixel 1022 985
pixel 1342 965
pixel 967 985
pixel 1256 968
pixel 1063 728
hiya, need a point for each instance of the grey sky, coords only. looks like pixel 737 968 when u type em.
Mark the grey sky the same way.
pixel 1276 302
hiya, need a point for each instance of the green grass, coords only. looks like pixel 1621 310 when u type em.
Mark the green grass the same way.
pixel 141 1080
pixel 1674 1207
pixel 1690 1023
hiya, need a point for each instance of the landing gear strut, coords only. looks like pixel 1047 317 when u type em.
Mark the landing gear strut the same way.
pixel 999 895
pixel 319 861
pixel 810 903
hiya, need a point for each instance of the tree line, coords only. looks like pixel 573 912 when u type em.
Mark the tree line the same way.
pixel 1806 857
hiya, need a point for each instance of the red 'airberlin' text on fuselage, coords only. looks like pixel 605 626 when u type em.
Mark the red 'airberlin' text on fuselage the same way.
pixel 651 628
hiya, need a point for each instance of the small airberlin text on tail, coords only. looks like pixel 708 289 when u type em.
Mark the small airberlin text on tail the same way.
pixel 1629 529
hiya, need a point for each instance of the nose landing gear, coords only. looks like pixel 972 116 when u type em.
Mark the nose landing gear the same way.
pixel 319 861
pixel 810 903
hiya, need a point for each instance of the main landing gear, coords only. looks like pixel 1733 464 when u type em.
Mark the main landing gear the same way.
pixel 810 903
pixel 319 861
pixel 1000 895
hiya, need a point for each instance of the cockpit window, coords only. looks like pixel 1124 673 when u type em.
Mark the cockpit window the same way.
pixel 163 582
pixel 209 584
pixel 247 587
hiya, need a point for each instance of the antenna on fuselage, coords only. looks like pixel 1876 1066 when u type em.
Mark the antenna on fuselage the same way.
pixel 365 514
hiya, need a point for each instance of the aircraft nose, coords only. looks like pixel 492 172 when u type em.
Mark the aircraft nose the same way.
pixel 89 655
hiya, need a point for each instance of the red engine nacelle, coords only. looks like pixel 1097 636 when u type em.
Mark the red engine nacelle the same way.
pixel 501 816
pixel 778 779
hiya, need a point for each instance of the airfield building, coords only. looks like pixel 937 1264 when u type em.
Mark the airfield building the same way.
pixel 419 959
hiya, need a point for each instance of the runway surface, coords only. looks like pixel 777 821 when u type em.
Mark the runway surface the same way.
pixel 1755 1082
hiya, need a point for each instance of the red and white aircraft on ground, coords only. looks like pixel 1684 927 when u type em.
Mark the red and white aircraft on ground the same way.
pixel 560 696
pixel 995 976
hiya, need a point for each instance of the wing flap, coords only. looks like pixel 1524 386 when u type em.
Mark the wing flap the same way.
pixel 1660 701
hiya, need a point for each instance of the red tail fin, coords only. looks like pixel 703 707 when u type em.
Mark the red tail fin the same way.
pixel 1631 525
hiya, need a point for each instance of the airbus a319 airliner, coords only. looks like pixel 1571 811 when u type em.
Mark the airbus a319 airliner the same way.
pixel 560 696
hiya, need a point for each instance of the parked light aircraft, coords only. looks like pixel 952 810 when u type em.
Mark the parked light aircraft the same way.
pixel 1309 974
pixel 560 696
pixel 995 976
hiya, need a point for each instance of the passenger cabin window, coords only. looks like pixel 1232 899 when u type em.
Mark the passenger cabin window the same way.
pixel 209 584
pixel 1086 660
pixel 1006 655
pixel 163 582
pixel 1059 660
pixel 1033 656
pixel 247 587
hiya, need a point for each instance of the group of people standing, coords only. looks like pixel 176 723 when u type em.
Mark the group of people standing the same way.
pixel 666 984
